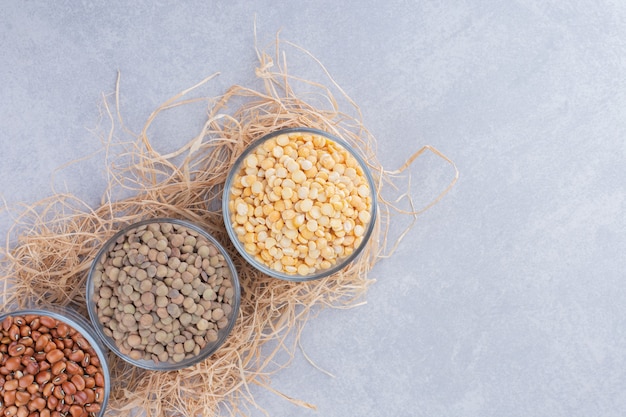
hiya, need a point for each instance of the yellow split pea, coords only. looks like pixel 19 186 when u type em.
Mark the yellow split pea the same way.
pixel 300 203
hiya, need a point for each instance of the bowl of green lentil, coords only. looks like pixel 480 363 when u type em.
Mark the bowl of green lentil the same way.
pixel 52 362
pixel 299 204
pixel 163 294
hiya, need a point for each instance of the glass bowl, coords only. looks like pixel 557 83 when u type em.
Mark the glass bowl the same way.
pixel 138 299
pixel 258 219
pixel 75 342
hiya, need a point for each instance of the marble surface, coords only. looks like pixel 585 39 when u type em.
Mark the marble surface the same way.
pixel 508 297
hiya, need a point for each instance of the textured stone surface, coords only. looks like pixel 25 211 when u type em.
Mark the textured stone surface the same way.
pixel 507 298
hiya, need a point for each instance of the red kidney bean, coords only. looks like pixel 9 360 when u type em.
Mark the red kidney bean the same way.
pixel 91 370
pixel 78 382
pixel 99 393
pixel 91 396
pixel 50 346
pixel 80 397
pixel 76 355
pixel 63 330
pixel 54 356
pixel 13 364
pixel 9 398
pixel 16 349
pixel 48 369
pixel 26 380
pixel 35 325
pixel 11 385
pixel 25 331
pixel 48 322
pixel 58 367
pixel 27 341
pixel 59 379
pixel 72 368
pixel 21 398
pixel 41 342
pixel 33 389
pixel 99 378
pixel 32 368
pixel 86 360
pixel 48 389
pixel 52 402
pixel 14 332
pixel 37 404
pixel 10 411
pixel 6 323
pixel 58 392
pixel 26 360
pixel 69 388
pixel 90 382
pixel 76 411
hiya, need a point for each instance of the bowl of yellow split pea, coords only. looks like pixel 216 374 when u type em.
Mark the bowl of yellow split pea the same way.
pixel 299 204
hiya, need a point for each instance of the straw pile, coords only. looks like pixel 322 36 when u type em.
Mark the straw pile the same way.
pixel 59 236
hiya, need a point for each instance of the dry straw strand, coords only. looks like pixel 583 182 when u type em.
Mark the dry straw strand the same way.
pixel 58 237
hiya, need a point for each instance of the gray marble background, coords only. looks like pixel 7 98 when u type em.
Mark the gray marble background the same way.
pixel 508 297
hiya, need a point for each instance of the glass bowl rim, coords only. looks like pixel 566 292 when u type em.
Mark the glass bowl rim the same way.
pixel 71 317
pixel 264 268
pixel 149 364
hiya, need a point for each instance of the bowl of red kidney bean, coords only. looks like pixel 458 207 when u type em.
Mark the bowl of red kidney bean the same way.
pixel 52 364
